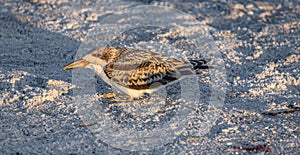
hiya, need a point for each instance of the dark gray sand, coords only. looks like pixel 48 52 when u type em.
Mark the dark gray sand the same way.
pixel 259 43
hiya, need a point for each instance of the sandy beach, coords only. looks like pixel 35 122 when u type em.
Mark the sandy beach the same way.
pixel 42 113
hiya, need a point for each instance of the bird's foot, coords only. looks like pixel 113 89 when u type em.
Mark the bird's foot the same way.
pixel 108 95
pixel 123 98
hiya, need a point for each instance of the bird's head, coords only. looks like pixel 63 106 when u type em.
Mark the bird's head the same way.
pixel 98 56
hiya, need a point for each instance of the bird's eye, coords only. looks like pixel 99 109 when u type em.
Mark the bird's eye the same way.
pixel 105 57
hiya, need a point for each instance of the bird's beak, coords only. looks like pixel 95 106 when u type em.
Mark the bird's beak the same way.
pixel 77 64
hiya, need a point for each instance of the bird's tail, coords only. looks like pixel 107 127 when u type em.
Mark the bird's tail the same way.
pixel 200 64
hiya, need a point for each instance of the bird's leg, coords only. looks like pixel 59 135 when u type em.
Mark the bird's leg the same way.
pixel 108 95
pixel 123 96
pixel 128 99
pixel 113 95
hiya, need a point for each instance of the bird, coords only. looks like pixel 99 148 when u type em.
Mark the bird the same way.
pixel 136 72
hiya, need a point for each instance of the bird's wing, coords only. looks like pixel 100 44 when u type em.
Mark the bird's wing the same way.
pixel 146 70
